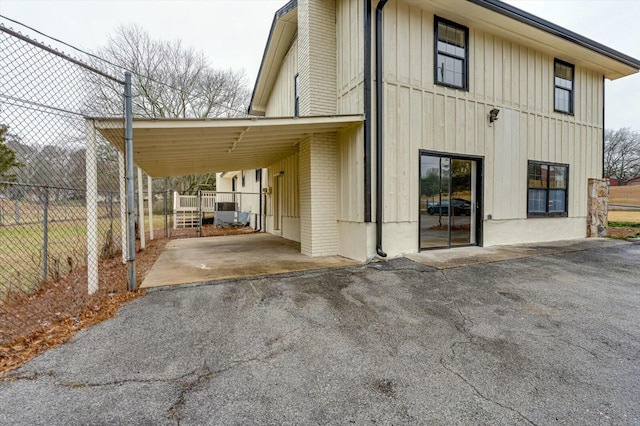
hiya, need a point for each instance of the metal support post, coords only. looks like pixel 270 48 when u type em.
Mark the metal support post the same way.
pixel 122 196
pixel 131 218
pixel 45 232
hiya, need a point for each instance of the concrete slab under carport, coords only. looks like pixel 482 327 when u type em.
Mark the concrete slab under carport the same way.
pixel 198 260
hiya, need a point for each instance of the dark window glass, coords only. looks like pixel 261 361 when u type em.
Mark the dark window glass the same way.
pixel 547 189
pixel 563 82
pixel 452 54
pixel 258 174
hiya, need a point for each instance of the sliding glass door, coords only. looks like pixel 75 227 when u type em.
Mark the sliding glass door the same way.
pixel 449 201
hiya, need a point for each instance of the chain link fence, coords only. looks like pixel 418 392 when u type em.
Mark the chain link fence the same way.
pixel 53 211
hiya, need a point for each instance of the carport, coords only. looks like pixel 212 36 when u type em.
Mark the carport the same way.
pixel 177 147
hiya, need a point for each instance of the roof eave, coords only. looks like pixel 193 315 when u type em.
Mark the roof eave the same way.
pixel 283 11
pixel 551 28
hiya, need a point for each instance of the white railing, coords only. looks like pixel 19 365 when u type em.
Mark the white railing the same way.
pixel 185 203
pixel 227 207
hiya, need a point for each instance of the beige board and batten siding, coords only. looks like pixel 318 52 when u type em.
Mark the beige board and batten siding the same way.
pixel 350 77
pixel 356 238
pixel 519 81
pixel 282 98
pixel 287 170
pixel 281 104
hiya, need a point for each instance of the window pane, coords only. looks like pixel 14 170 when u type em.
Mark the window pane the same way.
pixel 557 201
pixel 537 201
pixel 450 35
pixel 557 177
pixel 565 84
pixel 451 55
pixel 535 178
pixel 563 71
pixel 563 100
pixel 450 71
pixel 537 175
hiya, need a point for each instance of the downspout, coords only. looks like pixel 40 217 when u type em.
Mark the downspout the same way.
pixel 367 110
pixel 379 114
pixel 604 130
pixel 260 201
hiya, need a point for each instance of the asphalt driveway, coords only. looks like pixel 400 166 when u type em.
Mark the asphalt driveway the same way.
pixel 551 339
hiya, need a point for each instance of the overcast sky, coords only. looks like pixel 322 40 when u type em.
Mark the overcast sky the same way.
pixel 233 33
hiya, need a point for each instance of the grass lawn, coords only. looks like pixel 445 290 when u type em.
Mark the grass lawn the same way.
pixel 21 251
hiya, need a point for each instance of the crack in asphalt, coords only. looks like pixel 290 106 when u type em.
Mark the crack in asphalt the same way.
pixel 481 395
pixel 589 351
pixel 14 377
pixel 462 329
pixel 175 410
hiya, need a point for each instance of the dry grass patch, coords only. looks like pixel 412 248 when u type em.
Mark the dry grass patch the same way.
pixel 624 216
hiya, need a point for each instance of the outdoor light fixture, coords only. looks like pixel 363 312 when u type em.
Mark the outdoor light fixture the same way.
pixel 493 115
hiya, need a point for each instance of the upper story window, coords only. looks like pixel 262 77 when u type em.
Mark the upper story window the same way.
pixel 563 81
pixel 244 180
pixel 547 189
pixel 258 174
pixel 451 54
pixel 296 95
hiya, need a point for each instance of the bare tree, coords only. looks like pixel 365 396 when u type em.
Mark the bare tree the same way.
pixel 169 79
pixel 621 153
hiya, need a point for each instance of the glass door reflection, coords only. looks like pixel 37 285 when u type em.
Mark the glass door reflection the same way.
pixel 447 201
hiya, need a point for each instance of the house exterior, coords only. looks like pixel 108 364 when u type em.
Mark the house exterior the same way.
pixel 482 125
pixel 633 181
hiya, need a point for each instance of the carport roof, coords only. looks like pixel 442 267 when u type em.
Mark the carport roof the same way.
pixel 177 147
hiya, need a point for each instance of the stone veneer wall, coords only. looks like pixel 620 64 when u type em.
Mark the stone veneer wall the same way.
pixel 598 208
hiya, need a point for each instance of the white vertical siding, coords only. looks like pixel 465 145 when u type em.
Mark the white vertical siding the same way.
pixel 350 168
pixel 515 79
pixel 289 181
pixel 281 100
pixel 350 78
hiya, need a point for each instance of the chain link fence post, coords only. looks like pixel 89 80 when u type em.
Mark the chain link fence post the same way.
pixel 131 234
pixel 45 233
pixel 122 195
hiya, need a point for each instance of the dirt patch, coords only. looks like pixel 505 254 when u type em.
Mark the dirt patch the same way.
pixel 623 233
